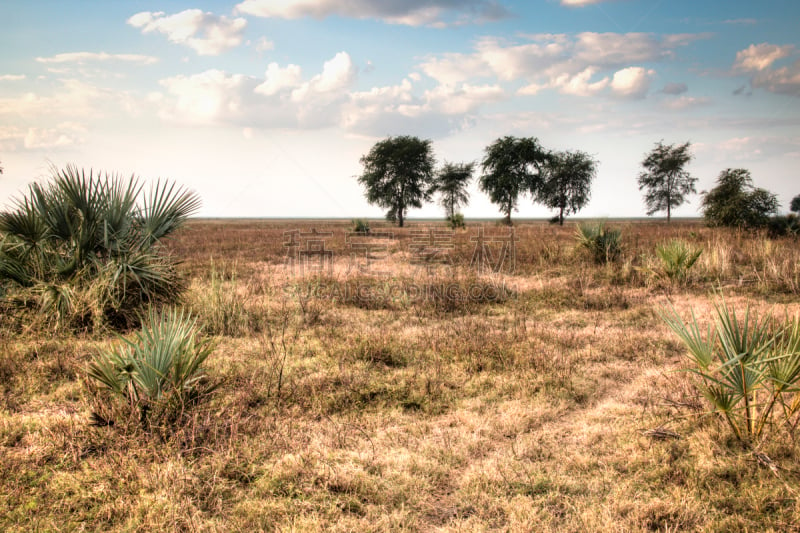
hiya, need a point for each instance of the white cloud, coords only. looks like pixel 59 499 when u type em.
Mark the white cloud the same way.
pixel 337 74
pixel 280 99
pixel 758 57
pixel 63 135
pixel 204 98
pixel 71 98
pixel 435 13
pixel 84 57
pixel 12 77
pixel 785 80
pixel 632 82
pixel 394 109
pixel 685 102
pixel 547 58
pixel 277 79
pixel 580 3
pixel 264 45
pixel 205 33
pixel 579 84
pixel 462 99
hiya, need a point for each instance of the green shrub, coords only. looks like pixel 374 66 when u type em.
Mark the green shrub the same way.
pixel 603 244
pixel 86 246
pixel 782 226
pixel 748 369
pixel 159 375
pixel 677 258
pixel 361 225
pixel 456 220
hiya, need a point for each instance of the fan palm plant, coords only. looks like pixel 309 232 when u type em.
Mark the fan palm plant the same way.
pixel 157 373
pixel 92 239
pixel 677 258
pixel 747 368
pixel 603 243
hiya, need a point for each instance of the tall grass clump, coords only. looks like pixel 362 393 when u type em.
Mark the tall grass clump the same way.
pixel 85 246
pixel 603 244
pixel 748 368
pixel 220 307
pixel 159 375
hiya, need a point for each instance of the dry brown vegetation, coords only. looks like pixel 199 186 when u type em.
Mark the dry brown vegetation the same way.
pixel 436 399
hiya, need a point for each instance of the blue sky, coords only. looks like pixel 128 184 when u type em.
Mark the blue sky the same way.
pixel 264 107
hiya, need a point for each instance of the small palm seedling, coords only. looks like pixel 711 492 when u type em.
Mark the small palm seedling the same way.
pixel 677 258
pixel 748 368
pixel 159 374
pixel 604 244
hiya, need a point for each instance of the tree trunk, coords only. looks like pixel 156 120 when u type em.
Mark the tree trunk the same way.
pixel 669 213
pixel 561 217
pixel 400 217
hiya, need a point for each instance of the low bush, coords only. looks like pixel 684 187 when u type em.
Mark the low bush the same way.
pixel 361 225
pixel 782 226
pixel 456 221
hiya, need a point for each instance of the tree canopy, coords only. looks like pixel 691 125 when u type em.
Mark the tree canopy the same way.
pixel 666 182
pixel 567 181
pixel 451 184
pixel 794 207
pixel 735 202
pixel 512 166
pixel 398 174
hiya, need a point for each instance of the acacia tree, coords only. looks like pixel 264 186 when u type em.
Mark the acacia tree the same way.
pixel 664 177
pixel 398 174
pixel 736 202
pixel 512 166
pixel 451 184
pixel 567 182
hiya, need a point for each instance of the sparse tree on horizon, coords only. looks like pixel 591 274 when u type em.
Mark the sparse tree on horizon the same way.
pixel 567 183
pixel 398 174
pixel 451 184
pixel 512 166
pixel 664 178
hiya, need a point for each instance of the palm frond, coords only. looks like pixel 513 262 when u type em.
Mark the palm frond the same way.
pixel 166 208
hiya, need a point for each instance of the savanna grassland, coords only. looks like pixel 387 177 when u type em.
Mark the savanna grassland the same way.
pixel 416 393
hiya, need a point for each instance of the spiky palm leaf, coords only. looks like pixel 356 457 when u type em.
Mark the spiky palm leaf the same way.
pixel 758 367
pixel 95 234
pixel 159 369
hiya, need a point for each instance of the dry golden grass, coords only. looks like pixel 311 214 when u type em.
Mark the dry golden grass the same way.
pixel 458 401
